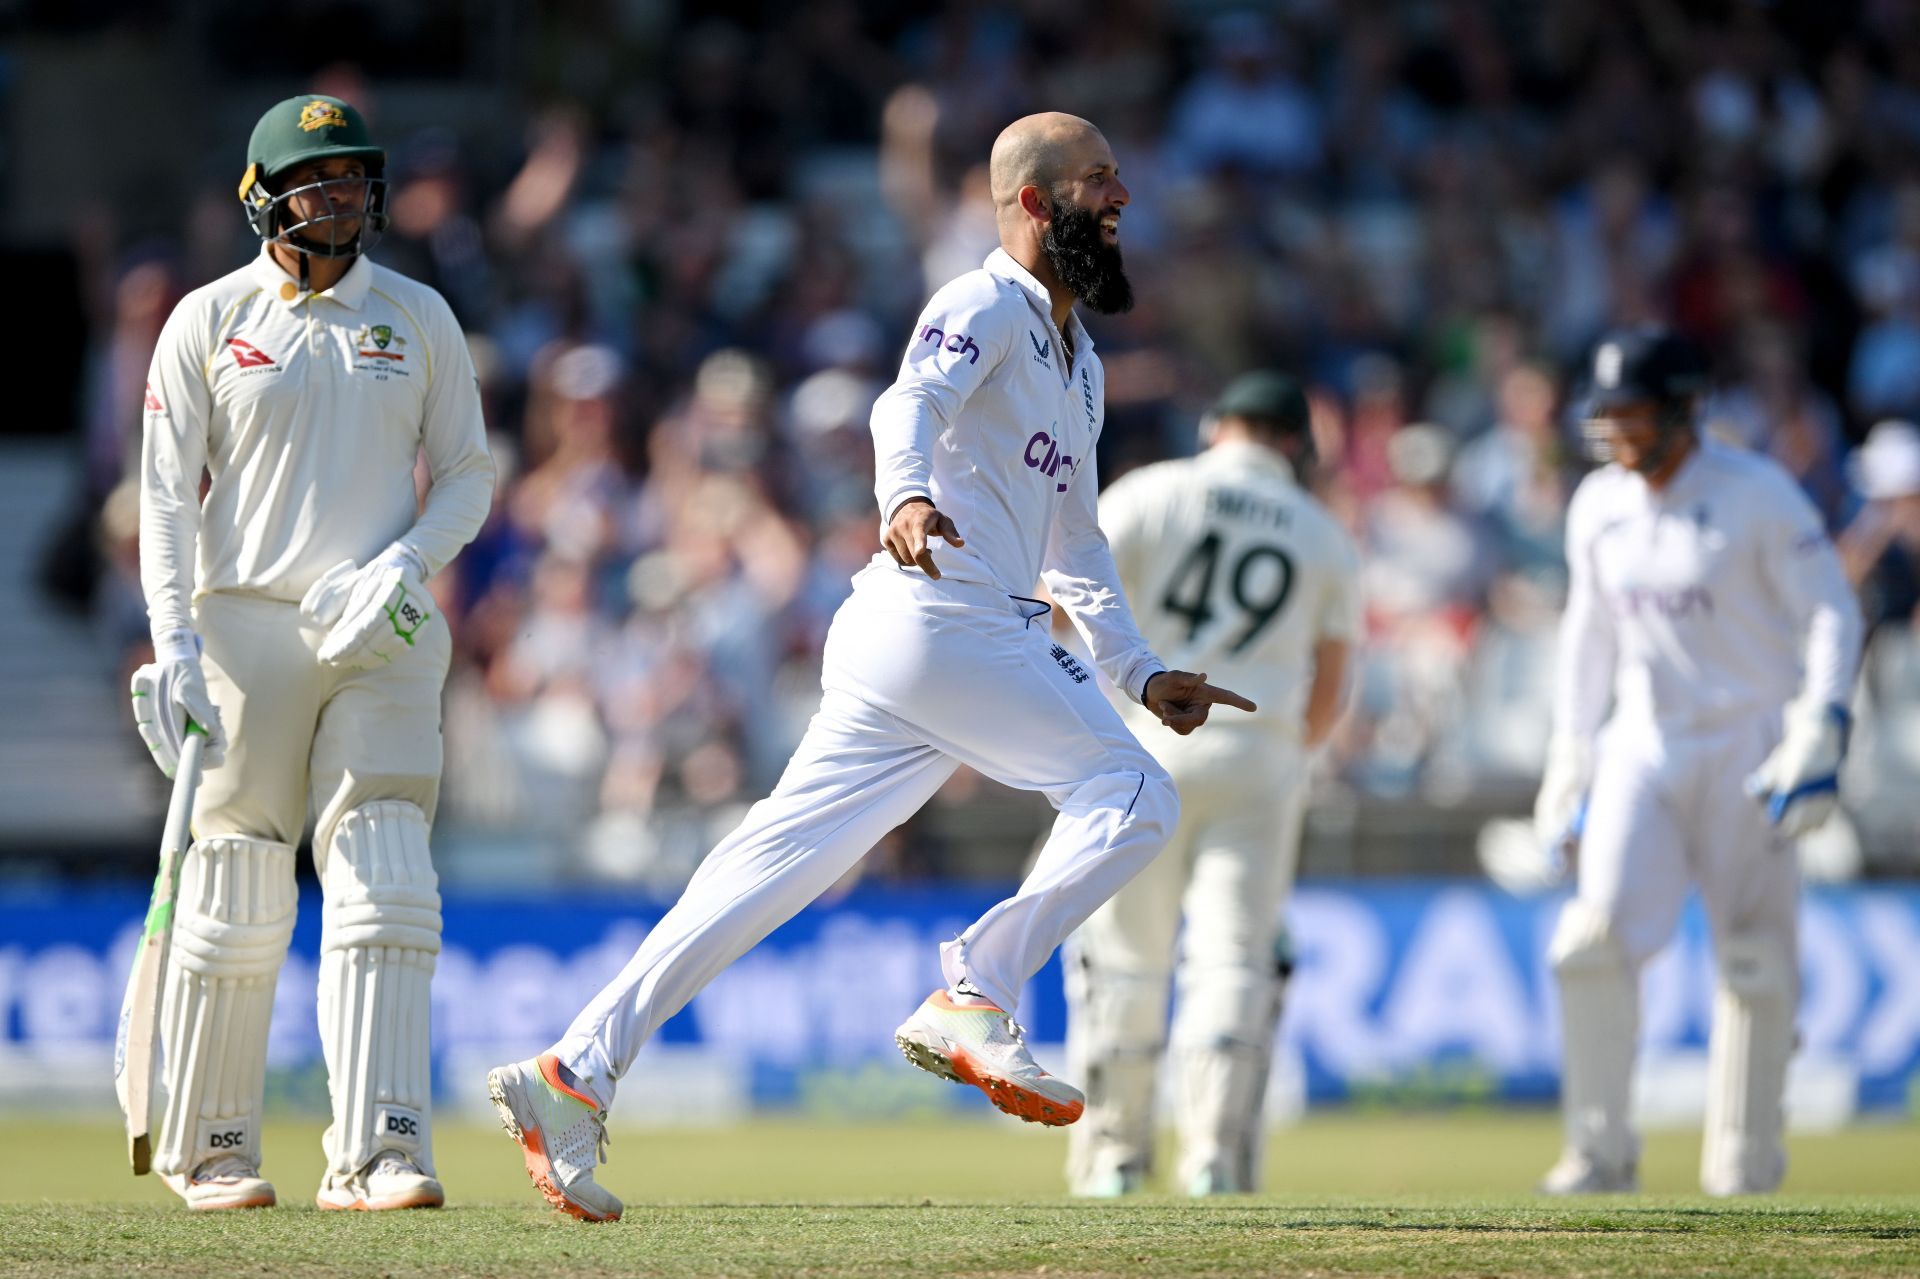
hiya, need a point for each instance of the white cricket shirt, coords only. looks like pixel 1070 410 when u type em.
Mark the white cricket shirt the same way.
pixel 989 422
pixel 1718 598
pixel 308 411
pixel 1235 570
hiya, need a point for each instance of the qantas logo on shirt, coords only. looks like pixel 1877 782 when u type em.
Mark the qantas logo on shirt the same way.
pixel 958 343
pixel 153 401
pixel 246 354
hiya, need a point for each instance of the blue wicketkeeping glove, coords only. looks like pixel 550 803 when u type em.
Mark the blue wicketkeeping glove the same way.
pixel 1800 781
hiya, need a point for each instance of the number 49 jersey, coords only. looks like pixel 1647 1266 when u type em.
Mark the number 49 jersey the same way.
pixel 1233 569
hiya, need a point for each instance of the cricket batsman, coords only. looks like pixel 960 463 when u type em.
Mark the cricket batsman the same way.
pixel 291 621
pixel 1234 568
pixel 985 445
pixel 1706 661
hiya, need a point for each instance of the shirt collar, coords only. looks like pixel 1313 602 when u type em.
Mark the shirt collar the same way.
pixel 1001 263
pixel 1254 457
pixel 350 291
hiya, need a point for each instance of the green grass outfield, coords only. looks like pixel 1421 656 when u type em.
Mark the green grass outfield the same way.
pixel 1369 1193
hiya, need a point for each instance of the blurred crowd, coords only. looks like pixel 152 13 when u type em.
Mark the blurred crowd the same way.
pixel 688 277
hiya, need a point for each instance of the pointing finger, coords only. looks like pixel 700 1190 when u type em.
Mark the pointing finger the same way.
pixel 1226 697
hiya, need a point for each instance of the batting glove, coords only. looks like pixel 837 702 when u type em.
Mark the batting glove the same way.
pixel 170 692
pixel 375 614
pixel 1800 781
pixel 1560 809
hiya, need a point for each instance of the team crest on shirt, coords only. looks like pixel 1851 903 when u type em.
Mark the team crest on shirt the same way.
pixel 377 349
pixel 373 341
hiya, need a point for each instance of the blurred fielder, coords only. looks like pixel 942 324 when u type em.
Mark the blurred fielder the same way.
pixel 1706 604
pixel 291 618
pixel 1235 568
pixel 986 442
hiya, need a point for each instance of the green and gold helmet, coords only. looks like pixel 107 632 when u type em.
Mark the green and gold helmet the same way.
pixel 313 127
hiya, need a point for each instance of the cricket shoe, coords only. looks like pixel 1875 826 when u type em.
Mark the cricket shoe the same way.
pixel 978 1044
pixel 1577 1174
pixel 1110 1183
pixel 1213 1179
pixel 224 1181
pixel 561 1131
pixel 390 1180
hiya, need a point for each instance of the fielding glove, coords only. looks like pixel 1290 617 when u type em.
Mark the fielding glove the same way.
pixel 375 614
pixel 1560 809
pixel 1800 782
pixel 169 692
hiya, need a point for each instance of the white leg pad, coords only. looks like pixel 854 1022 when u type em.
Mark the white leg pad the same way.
pixel 1116 1029
pixel 1599 1019
pixel 378 940
pixel 1744 1151
pixel 232 921
pixel 1224 1039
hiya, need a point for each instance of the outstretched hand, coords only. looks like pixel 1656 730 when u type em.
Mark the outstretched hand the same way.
pixel 1182 699
pixel 914 525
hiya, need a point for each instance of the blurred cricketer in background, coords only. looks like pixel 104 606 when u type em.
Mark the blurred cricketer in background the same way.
pixel 291 620
pixel 1235 568
pixel 1707 607
pixel 985 442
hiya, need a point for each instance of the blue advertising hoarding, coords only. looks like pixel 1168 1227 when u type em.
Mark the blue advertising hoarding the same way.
pixel 1410 990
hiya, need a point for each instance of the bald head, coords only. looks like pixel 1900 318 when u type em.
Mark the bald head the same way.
pixel 1040 150
pixel 1057 200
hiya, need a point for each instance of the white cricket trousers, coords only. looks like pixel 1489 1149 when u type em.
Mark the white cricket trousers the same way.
pixel 1665 814
pixel 918 677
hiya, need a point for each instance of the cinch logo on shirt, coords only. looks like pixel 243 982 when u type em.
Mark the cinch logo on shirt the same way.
pixel 246 354
pixel 957 342
pixel 1680 603
pixel 1043 455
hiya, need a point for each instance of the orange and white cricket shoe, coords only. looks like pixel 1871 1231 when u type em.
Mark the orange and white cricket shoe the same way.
pixel 975 1042
pixel 224 1181
pixel 391 1180
pixel 562 1134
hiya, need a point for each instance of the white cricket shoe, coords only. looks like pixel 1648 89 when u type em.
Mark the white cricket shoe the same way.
pixel 978 1044
pixel 390 1180
pixel 224 1181
pixel 1576 1174
pixel 561 1131
pixel 1214 1179
pixel 1110 1183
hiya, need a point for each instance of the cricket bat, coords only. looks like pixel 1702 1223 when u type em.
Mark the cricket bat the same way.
pixel 133 1055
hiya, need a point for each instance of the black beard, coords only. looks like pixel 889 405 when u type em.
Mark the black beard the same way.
pixel 1086 264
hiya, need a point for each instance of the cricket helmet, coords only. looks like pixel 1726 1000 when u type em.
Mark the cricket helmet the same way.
pixel 1643 366
pixel 312 127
